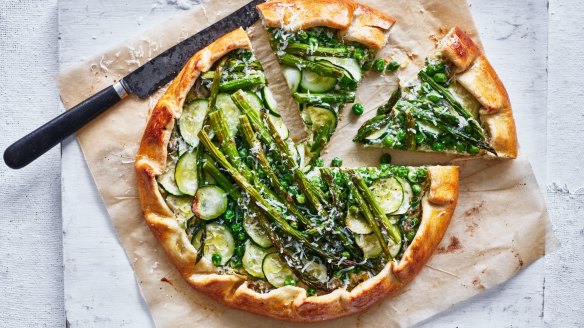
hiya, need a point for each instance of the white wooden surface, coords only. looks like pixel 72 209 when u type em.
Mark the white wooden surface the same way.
pixel 100 290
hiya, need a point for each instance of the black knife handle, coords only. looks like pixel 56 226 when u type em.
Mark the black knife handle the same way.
pixel 41 140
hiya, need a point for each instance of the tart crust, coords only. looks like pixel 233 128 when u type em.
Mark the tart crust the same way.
pixel 475 73
pixel 286 303
pixel 356 22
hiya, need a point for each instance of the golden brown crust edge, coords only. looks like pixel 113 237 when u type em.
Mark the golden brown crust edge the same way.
pixel 357 22
pixel 437 210
pixel 475 74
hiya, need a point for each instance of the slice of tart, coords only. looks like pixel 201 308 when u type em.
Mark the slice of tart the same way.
pixel 457 104
pixel 222 189
pixel 324 47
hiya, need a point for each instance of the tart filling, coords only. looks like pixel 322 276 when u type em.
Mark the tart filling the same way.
pixel 235 183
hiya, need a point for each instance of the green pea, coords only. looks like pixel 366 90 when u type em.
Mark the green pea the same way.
pixel 313 42
pixel 284 184
pixel 413 176
pixel 243 153
pixel 393 66
pixel 401 135
pixel 216 259
pixel 241 236
pixel 229 215
pixel 389 141
pixel 422 174
pixel 427 88
pixel 345 254
pixel 437 146
pixel 236 227
pixel 300 198
pixel 293 190
pixel 359 54
pixel 311 291
pixel 434 96
pixel 384 166
pixel 319 162
pixel 473 150
pixel 440 77
pixel 288 177
pixel 379 65
pixel 358 109
pixel 420 138
pixel 460 147
pixel 432 69
pixel 448 142
pixel 302 35
pixel 289 282
pixel 337 162
pixel 385 158
pixel 236 264
pixel 417 189
pixel 240 250
pixel 414 222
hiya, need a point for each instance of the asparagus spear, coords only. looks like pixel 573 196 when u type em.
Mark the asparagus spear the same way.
pixel 326 98
pixel 240 100
pixel 371 126
pixel 393 230
pixel 386 109
pixel 302 49
pixel 410 131
pixel 245 82
pixel 264 205
pixel 221 180
pixel 322 69
pixel 366 213
pixel 227 143
pixel 454 103
pixel 215 85
pixel 258 152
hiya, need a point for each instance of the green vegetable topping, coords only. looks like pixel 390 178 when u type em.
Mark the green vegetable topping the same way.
pixel 379 65
pixel 359 54
pixel 301 199
pixel 337 162
pixel 290 282
pixel 393 66
pixel 437 146
pixel 389 141
pixel 417 189
pixel 358 109
pixel 385 158
pixel 216 259
pixel 319 162
pixel 473 150
pixel 311 291
pixel 440 77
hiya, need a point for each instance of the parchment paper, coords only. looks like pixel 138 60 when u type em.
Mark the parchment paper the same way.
pixel 499 226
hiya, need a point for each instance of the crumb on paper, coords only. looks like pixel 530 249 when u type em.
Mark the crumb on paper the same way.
pixel 453 247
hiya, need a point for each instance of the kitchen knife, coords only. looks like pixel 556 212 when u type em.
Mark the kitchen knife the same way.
pixel 142 82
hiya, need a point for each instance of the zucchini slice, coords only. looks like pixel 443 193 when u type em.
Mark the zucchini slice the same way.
pixel 270 102
pixel 324 123
pixel 186 173
pixel 389 193
pixel 230 111
pixel 191 121
pixel 316 270
pixel 377 136
pixel 276 271
pixel 167 181
pixel 210 202
pixel 255 101
pixel 356 222
pixel 315 82
pixel 407 200
pixel 182 206
pixel 280 127
pixel 293 77
pixel 218 240
pixel 369 244
pixel 253 258
pixel 348 64
pixel 255 232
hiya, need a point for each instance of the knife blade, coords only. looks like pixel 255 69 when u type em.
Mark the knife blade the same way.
pixel 142 82
pixel 164 67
